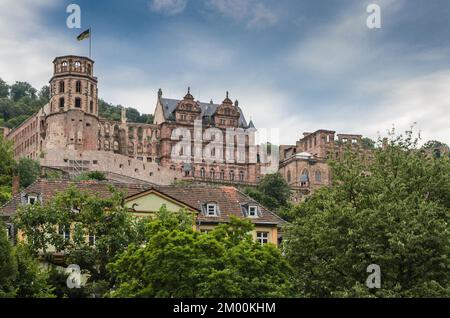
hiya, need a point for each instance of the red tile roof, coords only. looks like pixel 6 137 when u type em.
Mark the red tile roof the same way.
pixel 228 199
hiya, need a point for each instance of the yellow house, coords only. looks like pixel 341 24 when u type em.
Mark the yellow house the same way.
pixel 210 205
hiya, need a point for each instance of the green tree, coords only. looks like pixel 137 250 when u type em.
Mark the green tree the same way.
pixel 8 265
pixel 432 144
pixel 22 89
pixel 7 168
pixel 368 143
pixel 29 170
pixel 91 175
pixel 4 89
pixel 100 229
pixel 177 261
pixel 31 280
pixel 272 191
pixel 44 94
pixel 393 213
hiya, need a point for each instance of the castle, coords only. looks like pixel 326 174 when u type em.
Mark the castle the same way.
pixel 67 134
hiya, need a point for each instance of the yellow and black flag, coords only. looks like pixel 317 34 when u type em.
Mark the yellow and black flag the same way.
pixel 86 34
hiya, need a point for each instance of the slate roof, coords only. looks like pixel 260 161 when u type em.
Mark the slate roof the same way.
pixel 229 199
pixel 208 110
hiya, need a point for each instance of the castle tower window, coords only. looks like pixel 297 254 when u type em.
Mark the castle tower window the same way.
pixel 61 87
pixel 304 178
pixel 91 107
pixel 61 102
pixel 64 66
pixel 92 89
pixel 77 66
pixel 318 176
pixel 78 87
pixel 107 145
pixel 78 102
pixel 89 69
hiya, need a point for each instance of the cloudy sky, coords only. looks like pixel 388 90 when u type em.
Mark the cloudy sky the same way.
pixel 293 65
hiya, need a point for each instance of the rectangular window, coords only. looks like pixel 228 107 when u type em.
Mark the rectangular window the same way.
pixel 78 102
pixel 32 200
pixel 211 210
pixel 262 237
pixel 91 239
pixel 252 211
pixel 64 231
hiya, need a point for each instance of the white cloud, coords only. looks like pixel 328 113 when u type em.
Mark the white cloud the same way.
pixel 254 14
pixel 262 17
pixel 169 7
pixel 27 46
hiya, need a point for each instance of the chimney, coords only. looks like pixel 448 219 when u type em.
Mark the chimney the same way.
pixel 15 185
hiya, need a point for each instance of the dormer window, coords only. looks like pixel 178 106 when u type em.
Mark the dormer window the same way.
pixel 211 209
pixel 253 211
pixel 32 199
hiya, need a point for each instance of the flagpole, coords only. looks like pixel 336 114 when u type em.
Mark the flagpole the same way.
pixel 90 42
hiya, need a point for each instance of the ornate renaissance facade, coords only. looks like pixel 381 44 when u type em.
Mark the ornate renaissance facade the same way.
pixel 188 140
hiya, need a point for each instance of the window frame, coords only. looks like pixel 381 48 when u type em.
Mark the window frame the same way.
pixel 34 197
pixel 262 237
pixel 254 213
pixel 214 206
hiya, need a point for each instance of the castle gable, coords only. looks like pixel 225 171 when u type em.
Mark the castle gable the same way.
pixel 208 110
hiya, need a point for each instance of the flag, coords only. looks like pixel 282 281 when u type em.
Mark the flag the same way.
pixel 84 35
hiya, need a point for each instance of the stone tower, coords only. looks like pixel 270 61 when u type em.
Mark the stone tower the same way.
pixel 72 118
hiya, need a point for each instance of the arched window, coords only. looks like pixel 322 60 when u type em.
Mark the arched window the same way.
pixel 318 176
pixel 149 149
pixel 212 174
pixel 232 175
pixel 222 175
pixel 116 146
pixel 202 172
pixel 61 87
pixel 139 148
pixel 77 66
pixel 289 176
pixel 78 102
pixel 61 102
pixel 130 148
pixel 78 87
pixel 64 66
pixel 107 145
pixel 241 175
pixel 304 178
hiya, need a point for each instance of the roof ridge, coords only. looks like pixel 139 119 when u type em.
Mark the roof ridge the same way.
pixel 267 209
